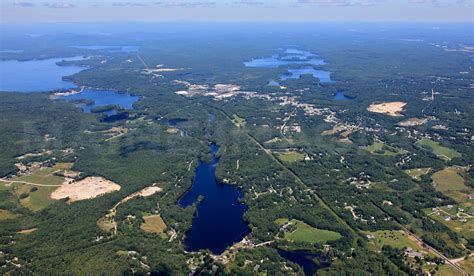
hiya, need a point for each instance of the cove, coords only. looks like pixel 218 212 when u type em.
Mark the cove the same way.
pixel 310 262
pixel 218 221
pixel 36 75
pixel 340 96
pixel 323 76
pixel 101 98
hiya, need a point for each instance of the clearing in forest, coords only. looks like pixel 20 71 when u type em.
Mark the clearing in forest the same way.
pixel 379 148
pixel 440 151
pixel 299 231
pixel 5 214
pixel 87 188
pixel 154 224
pixel 417 173
pixel 389 108
pixel 394 238
pixel 449 179
pixel 290 156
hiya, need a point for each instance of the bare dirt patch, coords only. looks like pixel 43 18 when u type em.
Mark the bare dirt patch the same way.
pixel 413 122
pixel 389 108
pixel 27 231
pixel 87 188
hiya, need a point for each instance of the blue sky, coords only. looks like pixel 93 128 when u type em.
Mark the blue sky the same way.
pixel 235 10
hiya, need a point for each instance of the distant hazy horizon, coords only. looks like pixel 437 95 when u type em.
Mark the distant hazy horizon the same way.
pixel 28 11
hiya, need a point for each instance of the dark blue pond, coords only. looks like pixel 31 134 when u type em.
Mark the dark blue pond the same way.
pixel 310 262
pixel 218 222
pixel 103 98
pixel 36 75
pixel 323 76
pixel 340 96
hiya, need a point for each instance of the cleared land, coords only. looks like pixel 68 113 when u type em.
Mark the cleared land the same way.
pixel 290 156
pixel 154 224
pixel 436 148
pixel 417 173
pixel 413 122
pixel 238 121
pixel 5 214
pixel 449 179
pixel 379 148
pixel 299 231
pixel 389 108
pixel 394 238
pixel 87 188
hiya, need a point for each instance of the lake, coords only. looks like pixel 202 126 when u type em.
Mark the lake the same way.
pixel 289 57
pixel 323 76
pixel 310 262
pixel 218 222
pixel 36 75
pixel 340 96
pixel 102 98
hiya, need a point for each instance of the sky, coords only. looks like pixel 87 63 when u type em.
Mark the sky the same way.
pixel 31 11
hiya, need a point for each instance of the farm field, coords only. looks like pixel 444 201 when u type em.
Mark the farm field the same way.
pixel 394 238
pixel 303 232
pixel 380 148
pixel 154 224
pixel 5 214
pixel 439 150
pixel 449 179
pixel 290 156
pixel 417 173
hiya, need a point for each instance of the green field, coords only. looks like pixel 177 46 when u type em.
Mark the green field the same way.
pixel 449 179
pixel 393 238
pixel 440 151
pixel 380 148
pixel 303 232
pixel 417 173
pixel 4 215
pixel 38 199
pixel 290 156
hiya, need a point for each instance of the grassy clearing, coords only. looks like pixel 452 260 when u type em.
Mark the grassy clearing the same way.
pixel 299 231
pixel 468 265
pixel 154 224
pixel 63 166
pixel 417 173
pixel 290 156
pixel 379 148
pixel 238 121
pixel 5 214
pixel 36 200
pixel 27 231
pixel 394 238
pixel 436 148
pixel 449 179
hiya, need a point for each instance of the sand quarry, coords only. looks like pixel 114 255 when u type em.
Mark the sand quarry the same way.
pixel 87 188
pixel 389 108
